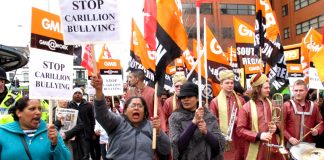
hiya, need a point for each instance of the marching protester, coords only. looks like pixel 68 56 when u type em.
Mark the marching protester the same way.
pixel 138 88
pixel 307 117
pixel 164 96
pixel 194 132
pixel 254 121
pixel 28 137
pixel 225 107
pixel 131 134
pixel 7 98
pixel 173 103
pixel 84 129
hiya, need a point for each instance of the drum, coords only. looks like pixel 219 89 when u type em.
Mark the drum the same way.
pixel 297 151
pixel 313 154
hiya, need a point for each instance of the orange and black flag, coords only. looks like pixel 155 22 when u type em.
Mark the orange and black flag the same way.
pixel 140 57
pixel 171 37
pixel 268 39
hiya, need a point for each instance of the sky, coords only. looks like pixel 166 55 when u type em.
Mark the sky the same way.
pixel 16 23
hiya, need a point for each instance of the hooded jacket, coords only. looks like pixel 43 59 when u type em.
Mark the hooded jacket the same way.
pixel 126 141
pixel 40 148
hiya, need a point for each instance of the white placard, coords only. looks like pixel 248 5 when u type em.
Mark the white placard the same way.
pixel 314 80
pixel 112 85
pixel 90 21
pixel 50 75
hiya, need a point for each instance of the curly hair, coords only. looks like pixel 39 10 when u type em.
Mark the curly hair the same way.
pixel 256 91
pixel 20 105
pixel 127 103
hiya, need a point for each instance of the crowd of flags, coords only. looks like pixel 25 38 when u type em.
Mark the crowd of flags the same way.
pixel 163 49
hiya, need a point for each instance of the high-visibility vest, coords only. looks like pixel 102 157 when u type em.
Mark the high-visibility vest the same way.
pixel 11 98
pixel 45 106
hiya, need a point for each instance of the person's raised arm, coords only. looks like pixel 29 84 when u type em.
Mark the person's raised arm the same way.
pixel 106 119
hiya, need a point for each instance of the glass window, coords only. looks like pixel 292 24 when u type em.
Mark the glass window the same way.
pixel 206 8
pixel 303 3
pixel 315 23
pixel 286 33
pixel 227 33
pixel 237 9
pixel 26 77
pixel 285 10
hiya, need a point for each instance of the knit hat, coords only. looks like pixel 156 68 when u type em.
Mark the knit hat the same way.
pixel 226 74
pixel 77 90
pixel 258 79
pixel 179 78
pixel 188 89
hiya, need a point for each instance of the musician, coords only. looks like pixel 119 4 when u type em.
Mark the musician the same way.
pixel 306 116
pixel 253 124
pixel 223 107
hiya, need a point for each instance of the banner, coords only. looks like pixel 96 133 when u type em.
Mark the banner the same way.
pixel 51 72
pixel 90 21
pixel 310 46
pixel 111 73
pixel 267 38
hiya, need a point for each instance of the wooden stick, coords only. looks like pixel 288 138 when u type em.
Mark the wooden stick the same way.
pixel 155 114
pixel 50 111
pixel 94 61
pixel 311 131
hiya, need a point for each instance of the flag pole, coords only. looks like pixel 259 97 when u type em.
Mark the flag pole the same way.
pixel 94 62
pixel 198 51
pixel 206 66
pixel 155 114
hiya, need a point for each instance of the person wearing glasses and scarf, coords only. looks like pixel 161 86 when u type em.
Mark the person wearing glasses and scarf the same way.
pixel 131 134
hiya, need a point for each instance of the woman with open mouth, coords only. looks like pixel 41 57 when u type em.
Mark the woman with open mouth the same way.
pixel 28 137
pixel 130 135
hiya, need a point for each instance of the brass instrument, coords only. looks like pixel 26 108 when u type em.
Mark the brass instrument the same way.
pixel 228 136
pixel 277 118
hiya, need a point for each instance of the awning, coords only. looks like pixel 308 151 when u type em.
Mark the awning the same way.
pixel 12 58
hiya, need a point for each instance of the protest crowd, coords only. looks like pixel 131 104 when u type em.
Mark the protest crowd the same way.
pixel 257 103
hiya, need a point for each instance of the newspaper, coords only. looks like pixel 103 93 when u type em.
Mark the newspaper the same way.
pixel 69 118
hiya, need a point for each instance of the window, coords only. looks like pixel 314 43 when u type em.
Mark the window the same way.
pixel 80 74
pixel 299 4
pixel 285 10
pixel 315 23
pixel 227 32
pixel 26 77
pixel 190 8
pixel 237 9
pixel 286 33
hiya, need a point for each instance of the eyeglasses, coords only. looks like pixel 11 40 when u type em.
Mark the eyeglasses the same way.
pixel 136 105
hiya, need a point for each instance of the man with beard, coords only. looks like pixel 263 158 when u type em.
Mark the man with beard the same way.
pixel 84 129
pixel 254 122
pixel 7 98
pixel 225 107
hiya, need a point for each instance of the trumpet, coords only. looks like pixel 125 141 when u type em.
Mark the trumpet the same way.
pixel 277 119
pixel 228 136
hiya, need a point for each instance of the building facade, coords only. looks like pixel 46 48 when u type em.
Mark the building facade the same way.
pixel 295 17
